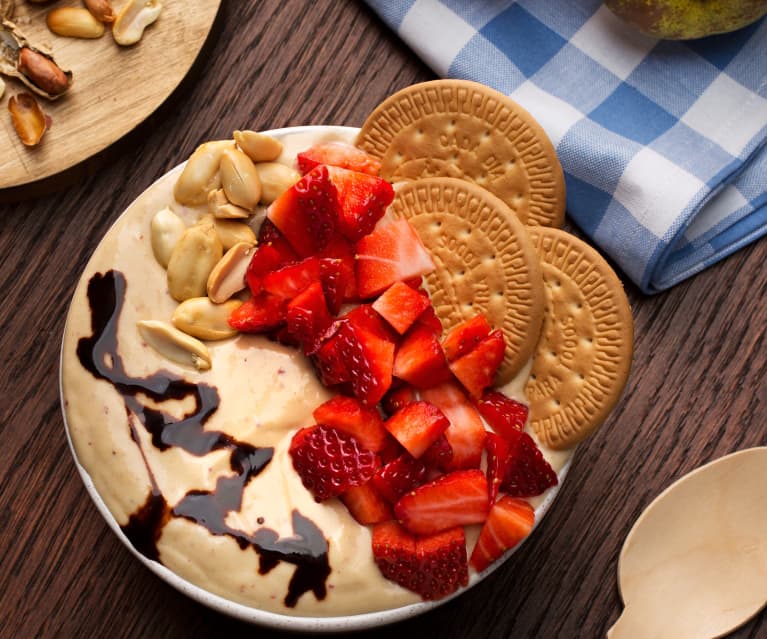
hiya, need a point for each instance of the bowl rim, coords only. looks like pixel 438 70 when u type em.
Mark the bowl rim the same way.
pixel 277 621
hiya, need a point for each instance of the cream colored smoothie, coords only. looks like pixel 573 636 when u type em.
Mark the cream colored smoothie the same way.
pixel 194 465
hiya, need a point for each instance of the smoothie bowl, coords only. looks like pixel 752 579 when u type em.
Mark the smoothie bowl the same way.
pixel 275 405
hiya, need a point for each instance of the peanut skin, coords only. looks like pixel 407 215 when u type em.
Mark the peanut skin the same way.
pixel 42 72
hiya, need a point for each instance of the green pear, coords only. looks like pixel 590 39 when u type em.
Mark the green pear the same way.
pixel 687 19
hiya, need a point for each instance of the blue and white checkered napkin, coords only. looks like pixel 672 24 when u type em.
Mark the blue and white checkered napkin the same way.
pixel 662 143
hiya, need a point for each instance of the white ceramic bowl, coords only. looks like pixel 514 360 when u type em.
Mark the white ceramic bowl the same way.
pixel 271 619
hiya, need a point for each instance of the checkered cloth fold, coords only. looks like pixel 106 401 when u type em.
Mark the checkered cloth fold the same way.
pixel 662 142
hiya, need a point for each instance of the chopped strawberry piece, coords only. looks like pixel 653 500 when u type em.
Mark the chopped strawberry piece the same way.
pixel 339 248
pixel 364 317
pixel 391 450
pixel 509 522
pixel 429 319
pixel 466 433
pixel 399 476
pixel 267 258
pixel 497 463
pixel 433 566
pixel 290 280
pixel 456 499
pixel 419 359
pixel 366 505
pixel 351 416
pixel 417 426
pixel 400 305
pixel 439 455
pixel 329 461
pixel 328 360
pixel 528 473
pixel 283 336
pixel 308 318
pixel 259 314
pixel 268 233
pixel 502 413
pixel 331 276
pixel 465 337
pixel 368 359
pixel 339 154
pixel 477 368
pixel 398 397
pixel 362 201
pixel 306 213
pixel 391 253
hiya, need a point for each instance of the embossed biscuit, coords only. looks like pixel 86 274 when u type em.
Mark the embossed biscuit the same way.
pixel 485 261
pixel 463 129
pixel 583 359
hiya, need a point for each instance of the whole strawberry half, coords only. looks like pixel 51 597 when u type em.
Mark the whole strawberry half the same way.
pixel 433 566
pixel 329 461
pixel 528 473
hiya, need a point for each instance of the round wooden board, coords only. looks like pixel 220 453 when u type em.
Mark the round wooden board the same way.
pixel 115 88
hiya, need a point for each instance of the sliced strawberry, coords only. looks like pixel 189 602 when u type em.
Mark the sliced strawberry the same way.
pixel 419 359
pixel 391 450
pixel 352 417
pixel 368 359
pixel 466 433
pixel 329 461
pixel 502 413
pixel 509 522
pixel 476 369
pixel 334 278
pixel 433 566
pixel 398 398
pixel 417 426
pixel 308 318
pixel 366 505
pixel 456 499
pixel 306 213
pixel 259 314
pixel 429 320
pixel 364 317
pixel 362 201
pixel 267 258
pixel 399 476
pixel 328 360
pixel 400 305
pixel 465 337
pixel 339 154
pixel 391 253
pixel 339 248
pixel 528 473
pixel 439 455
pixel 290 280
pixel 497 463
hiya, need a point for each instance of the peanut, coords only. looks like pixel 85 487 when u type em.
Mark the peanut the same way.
pixel 43 72
pixel 258 147
pixel 201 318
pixel 275 179
pixel 239 179
pixel 193 258
pixel 74 22
pixel 175 345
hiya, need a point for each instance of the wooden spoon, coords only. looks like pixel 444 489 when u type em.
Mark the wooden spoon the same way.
pixel 694 566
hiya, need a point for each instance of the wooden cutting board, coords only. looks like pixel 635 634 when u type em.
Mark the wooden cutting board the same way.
pixel 115 88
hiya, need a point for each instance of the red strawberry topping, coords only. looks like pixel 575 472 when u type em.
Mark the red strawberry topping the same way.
pixel 306 213
pixel 456 499
pixel 362 201
pixel 352 417
pixel 391 253
pixel 417 426
pixel 497 463
pixel 509 522
pixel 308 318
pixel 502 413
pixel 366 505
pixel 290 280
pixel 329 461
pixel 259 314
pixel 398 398
pixel 400 305
pixel 420 360
pixel 438 456
pixel 368 359
pixel 338 154
pixel 477 368
pixel 528 473
pixel 399 476
pixel 433 566
pixel 465 337
pixel 466 433
pixel 267 258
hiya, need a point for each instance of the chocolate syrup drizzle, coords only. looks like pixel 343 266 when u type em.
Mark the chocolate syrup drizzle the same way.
pixel 307 550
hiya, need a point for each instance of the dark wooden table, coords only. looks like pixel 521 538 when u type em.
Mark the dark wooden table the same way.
pixel 695 393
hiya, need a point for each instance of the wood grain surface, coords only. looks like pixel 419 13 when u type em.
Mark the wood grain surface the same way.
pixel 114 89
pixel 696 390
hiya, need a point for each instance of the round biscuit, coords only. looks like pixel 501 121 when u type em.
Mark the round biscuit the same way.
pixel 463 129
pixel 485 261
pixel 582 362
